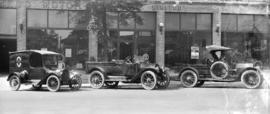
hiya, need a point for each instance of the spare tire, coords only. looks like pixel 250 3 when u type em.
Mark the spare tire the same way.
pixel 219 70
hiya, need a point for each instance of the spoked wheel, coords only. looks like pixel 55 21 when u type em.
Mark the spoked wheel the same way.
pixel 14 83
pixel 149 80
pixel 113 84
pixel 163 81
pixel 96 79
pixel 75 83
pixel 36 86
pixel 251 79
pixel 53 83
pixel 189 78
pixel 199 83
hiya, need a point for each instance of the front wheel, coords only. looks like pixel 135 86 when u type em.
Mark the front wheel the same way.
pixel 14 83
pixel 53 83
pixel 149 80
pixel 163 81
pixel 189 78
pixel 111 84
pixel 75 83
pixel 251 79
pixel 96 79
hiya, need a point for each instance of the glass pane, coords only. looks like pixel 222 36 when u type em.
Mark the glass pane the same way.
pixel 172 21
pixel 148 21
pixel 228 22
pixel 76 21
pixel 204 21
pixel 37 18
pixel 146 45
pixel 111 20
pixel 58 19
pixel 245 23
pixel 126 42
pixel 126 21
pixel 261 24
pixel 7 21
pixel 187 22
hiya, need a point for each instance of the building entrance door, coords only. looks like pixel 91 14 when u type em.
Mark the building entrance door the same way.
pixel 6 46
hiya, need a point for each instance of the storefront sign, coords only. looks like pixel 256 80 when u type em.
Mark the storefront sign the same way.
pixel 158 7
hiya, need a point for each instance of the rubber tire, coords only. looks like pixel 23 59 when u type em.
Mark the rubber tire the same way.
pixel 17 87
pixel 246 84
pixel 58 83
pixel 101 76
pixel 195 77
pixel 164 83
pixel 78 80
pixel 110 85
pixel 153 74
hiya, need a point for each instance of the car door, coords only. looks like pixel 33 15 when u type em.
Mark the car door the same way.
pixel 36 70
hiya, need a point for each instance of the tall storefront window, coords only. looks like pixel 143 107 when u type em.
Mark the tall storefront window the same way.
pixel 247 35
pixel 8 21
pixel 132 36
pixel 184 31
pixel 59 31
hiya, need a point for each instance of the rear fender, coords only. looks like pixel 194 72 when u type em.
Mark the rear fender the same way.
pixel 21 75
pixel 14 73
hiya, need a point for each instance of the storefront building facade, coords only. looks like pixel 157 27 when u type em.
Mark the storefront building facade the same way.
pixel 167 32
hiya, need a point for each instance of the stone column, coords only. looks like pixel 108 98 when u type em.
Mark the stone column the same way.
pixel 93 46
pixel 160 38
pixel 21 25
pixel 216 32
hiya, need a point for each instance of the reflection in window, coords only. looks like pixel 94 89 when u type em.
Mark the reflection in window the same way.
pixel 58 19
pixel 196 30
pixel 37 18
pixel 146 45
pixel 59 41
pixel 249 40
pixel 126 21
pixel 148 21
pixel 75 20
pixel 111 20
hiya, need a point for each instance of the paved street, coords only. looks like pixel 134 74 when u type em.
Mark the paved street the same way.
pixel 212 98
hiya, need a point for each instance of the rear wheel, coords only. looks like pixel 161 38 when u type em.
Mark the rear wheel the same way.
pixel 96 79
pixel 113 84
pixel 189 78
pixel 75 82
pixel 163 81
pixel 53 83
pixel 251 79
pixel 14 83
pixel 149 80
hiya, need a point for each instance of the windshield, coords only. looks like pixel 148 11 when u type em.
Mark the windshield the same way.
pixel 51 61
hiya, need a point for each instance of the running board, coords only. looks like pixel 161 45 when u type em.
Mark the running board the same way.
pixel 117 78
pixel 217 80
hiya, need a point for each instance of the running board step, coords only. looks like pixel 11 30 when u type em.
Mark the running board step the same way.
pixel 117 78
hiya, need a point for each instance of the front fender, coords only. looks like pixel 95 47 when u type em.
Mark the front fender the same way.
pixel 241 71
